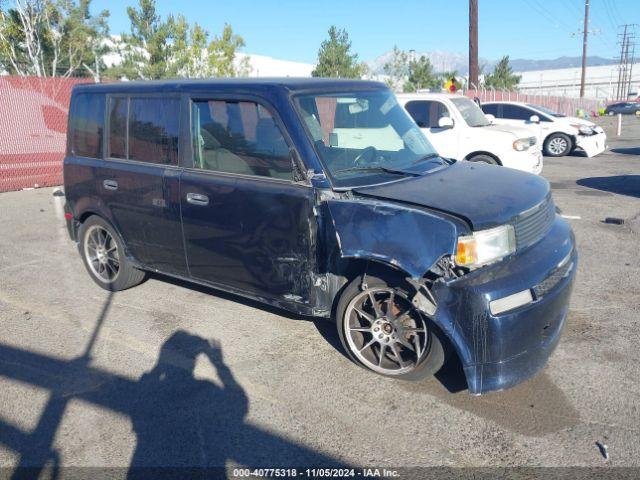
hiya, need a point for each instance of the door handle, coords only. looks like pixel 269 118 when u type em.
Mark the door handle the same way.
pixel 110 184
pixel 197 199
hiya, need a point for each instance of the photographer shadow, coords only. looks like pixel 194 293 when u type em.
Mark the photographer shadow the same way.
pixel 189 428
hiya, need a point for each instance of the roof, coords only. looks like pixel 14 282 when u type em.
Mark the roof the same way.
pixel 429 95
pixel 228 84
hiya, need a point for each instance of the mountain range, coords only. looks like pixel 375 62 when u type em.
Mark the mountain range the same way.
pixel 454 61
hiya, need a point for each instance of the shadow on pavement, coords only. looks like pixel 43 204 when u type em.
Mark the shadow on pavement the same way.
pixel 627 150
pixel 621 184
pixel 185 427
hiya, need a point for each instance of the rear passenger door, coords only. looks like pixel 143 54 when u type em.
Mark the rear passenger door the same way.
pixel 140 181
pixel 247 223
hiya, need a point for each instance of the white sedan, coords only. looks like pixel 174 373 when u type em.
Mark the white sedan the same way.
pixel 560 134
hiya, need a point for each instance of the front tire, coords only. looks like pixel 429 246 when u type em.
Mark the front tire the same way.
pixel 484 159
pixel 557 145
pixel 103 255
pixel 382 331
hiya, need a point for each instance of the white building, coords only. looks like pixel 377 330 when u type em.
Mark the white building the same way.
pixel 601 82
pixel 263 66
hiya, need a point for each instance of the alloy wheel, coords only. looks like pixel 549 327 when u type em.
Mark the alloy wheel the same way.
pixel 101 251
pixel 385 331
pixel 558 145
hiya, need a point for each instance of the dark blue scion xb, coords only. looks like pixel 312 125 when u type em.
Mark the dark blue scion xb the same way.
pixel 322 197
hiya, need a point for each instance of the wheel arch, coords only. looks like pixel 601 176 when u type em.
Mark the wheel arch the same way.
pixel 482 152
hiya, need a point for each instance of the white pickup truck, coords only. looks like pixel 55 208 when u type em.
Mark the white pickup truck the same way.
pixel 458 128
pixel 560 134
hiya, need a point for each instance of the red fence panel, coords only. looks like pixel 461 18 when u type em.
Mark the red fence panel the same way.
pixel 33 130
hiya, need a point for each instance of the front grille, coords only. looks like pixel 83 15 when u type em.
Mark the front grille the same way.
pixel 552 280
pixel 533 224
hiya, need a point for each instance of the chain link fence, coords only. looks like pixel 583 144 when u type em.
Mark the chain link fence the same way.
pixel 33 130
pixel 564 105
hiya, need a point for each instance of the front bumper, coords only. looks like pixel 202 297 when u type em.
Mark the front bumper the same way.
pixel 528 161
pixel 500 351
pixel 592 144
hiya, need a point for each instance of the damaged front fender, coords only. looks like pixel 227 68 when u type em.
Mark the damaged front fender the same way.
pixel 406 238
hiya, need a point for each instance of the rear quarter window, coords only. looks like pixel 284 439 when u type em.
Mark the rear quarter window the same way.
pixel 86 127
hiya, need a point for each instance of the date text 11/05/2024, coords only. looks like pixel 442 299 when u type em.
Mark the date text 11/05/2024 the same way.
pixel 316 473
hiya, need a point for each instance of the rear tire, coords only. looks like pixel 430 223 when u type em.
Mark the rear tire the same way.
pixel 103 255
pixel 557 145
pixel 484 159
pixel 393 338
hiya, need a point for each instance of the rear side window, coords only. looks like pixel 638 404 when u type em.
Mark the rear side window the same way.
pixel 238 137
pixel 87 125
pixel 144 129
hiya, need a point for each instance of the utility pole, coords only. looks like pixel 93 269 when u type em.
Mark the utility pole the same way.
pixel 625 67
pixel 473 43
pixel 584 47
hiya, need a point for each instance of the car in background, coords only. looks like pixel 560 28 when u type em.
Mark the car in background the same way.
pixel 625 108
pixel 458 129
pixel 560 134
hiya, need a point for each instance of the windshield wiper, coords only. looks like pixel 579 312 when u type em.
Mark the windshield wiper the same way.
pixel 377 168
pixel 429 156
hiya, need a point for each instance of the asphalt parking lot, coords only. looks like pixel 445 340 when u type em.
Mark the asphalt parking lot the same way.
pixel 91 379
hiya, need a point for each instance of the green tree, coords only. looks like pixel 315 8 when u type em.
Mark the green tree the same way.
pixel 146 51
pixel 397 69
pixel 502 77
pixel 335 58
pixel 421 75
pixel 52 38
pixel 158 48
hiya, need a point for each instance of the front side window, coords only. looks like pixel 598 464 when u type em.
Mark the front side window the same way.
pixel 87 125
pixel 118 112
pixel 491 109
pixel 427 113
pixel 238 137
pixel 144 129
pixel 154 129
pixel 470 112
pixel 365 137
pixel 516 112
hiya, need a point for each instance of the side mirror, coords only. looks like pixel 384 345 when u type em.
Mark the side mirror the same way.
pixel 534 119
pixel 490 117
pixel 445 122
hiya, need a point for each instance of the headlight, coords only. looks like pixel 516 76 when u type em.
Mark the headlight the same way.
pixel 485 246
pixel 521 144
pixel 583 129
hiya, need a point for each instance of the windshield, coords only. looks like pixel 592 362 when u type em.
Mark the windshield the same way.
pixel 471 112
pixel 546 110
pixel 365 137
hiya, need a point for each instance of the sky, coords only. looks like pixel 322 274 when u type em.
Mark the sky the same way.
pixel 294 29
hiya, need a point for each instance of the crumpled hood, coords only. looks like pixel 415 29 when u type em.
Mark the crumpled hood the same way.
pixel 483 195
